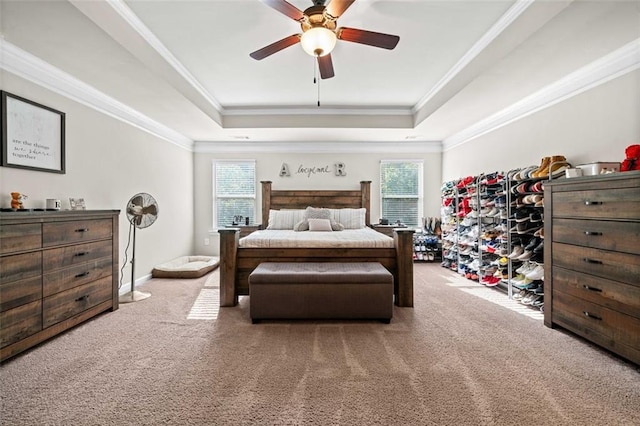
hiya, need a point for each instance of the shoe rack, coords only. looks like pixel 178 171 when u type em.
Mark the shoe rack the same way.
pixel 449 224
pixel 427 243
pixel 492 228
pixel 525 190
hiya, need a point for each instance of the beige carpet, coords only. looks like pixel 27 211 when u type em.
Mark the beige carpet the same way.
pixel 454 359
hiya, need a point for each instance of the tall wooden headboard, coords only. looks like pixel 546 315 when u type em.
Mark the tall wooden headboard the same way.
pixel 301 199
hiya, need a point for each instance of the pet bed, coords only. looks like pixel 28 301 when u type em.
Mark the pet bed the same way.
pixel 186 267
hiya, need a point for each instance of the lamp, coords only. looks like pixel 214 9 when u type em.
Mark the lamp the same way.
pixel 318 41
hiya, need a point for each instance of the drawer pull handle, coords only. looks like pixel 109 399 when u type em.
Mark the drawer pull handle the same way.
pixel 592 261
pixel 86 297
pixel 592 203
pixel 588 315
pixel 84 253
pixel 82 230
pixel 592 233
pixel 84 274
pixel 591 288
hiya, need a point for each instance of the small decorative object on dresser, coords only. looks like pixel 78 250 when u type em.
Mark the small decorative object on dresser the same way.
pixel 592 259
pixel 17 200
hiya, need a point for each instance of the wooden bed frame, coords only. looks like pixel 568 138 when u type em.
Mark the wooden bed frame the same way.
pixel 236 263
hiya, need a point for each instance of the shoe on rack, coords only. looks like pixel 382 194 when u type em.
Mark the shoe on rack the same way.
pixel 535 217
pixel 539 233
pixel 537 257
pixel 517 251
pixel 557 165
pixel 533 243
pixel 544 164
pixel 540 247
pixel 526 255
pixel 537 187
pixel 519 295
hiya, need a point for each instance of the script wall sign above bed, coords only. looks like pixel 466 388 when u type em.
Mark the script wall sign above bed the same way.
pixel 339 169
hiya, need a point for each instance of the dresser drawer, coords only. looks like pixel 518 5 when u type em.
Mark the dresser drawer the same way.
pixel 607 235
pixel 615 203
pixel 71 302
pixel 20 266
pixel 21 322
pixel 16 293
pixel 20 237
pixel 56 233
pixel 64 279
pixel 605 326
pixel 611 265
pixel 617 296
pixel 74 255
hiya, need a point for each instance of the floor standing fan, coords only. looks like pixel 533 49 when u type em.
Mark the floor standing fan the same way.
pixel 142 211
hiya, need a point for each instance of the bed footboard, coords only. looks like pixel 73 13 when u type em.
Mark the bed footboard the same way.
pixel 237 263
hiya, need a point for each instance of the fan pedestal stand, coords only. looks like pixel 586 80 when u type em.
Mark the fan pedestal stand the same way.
pixel 133 295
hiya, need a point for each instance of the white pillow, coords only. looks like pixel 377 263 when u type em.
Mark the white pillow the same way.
pixel 323 225
pixel 350 218
pixel 284 219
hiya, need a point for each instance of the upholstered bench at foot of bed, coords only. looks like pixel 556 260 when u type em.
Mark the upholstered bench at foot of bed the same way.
pixel 316 290
pixel 186 267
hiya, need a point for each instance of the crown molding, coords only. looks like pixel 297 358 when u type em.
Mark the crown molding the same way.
pixel 426 147
pixel 120 7
pixel 616 64
pixel 31 68
pixel 505 20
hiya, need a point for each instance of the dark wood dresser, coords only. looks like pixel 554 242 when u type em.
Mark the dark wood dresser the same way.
pixel 592 259
pixel 57 269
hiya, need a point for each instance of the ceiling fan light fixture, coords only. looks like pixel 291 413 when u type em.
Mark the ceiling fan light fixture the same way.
pixel 318 41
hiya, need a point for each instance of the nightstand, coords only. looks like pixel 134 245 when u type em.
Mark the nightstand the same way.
pixel 246 229
pixel 387 229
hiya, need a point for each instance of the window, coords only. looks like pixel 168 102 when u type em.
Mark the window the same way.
pixel 234 191
pixel 401 191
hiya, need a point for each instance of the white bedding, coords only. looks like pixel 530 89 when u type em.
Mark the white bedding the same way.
pixel 349 238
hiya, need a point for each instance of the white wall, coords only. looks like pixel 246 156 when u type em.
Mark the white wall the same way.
pixel 359 167
pixel 107 162
pixel 596 125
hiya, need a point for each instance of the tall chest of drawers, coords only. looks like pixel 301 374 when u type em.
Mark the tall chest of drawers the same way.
pixel 592 259
pixel 57 269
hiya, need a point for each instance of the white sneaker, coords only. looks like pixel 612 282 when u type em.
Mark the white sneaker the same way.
pixel 536 273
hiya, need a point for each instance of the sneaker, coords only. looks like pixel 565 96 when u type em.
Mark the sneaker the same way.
pixel 517 251
pixel 526 255
pixel 527 228
pixel 522 215
pixel 540 247
pixel 533 243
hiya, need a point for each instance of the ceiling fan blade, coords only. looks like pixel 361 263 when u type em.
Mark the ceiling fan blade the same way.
pixel 275 47
pixel 385 41
pixel 326 66
pixel 285 8
pixel 337 7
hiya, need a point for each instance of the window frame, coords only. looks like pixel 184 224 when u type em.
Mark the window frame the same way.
pixel 419 197
pixel 215 196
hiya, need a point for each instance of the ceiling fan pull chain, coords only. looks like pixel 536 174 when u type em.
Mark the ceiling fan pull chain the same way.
pixel 318 93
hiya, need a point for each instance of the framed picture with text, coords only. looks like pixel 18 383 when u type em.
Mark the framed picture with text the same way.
pixel 32 135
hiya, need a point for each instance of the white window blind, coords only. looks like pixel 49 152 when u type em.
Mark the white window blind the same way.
pixel 234 187
pixel 401 191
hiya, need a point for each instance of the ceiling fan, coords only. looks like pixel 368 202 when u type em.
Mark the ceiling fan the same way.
pixel 320 32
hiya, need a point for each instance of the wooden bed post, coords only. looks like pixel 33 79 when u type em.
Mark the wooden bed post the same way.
pixel 266 202
pixel 403 241
pixel 229 238
pixel 365 190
